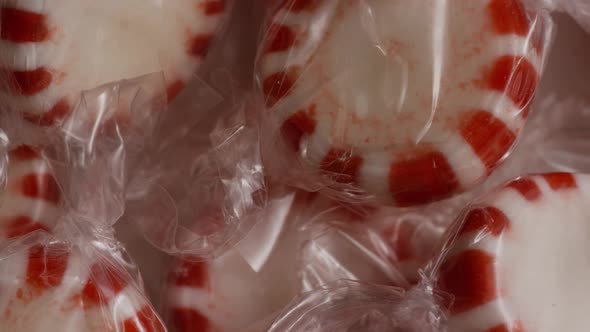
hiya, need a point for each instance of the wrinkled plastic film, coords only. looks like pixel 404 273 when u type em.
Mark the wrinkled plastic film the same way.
pixel 217 188
pixel 350 306
pixel 578 9
pixel 458 288
pixel 115 42
pixel 84 287
pixel 300 244
pixel 333 115
pixel 63 194
pixel 288 194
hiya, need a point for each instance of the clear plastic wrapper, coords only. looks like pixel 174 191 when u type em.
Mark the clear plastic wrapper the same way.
pixel 60 267
pixel 51 285
pixel 204 164
pixel 501 266
pixel 346 113
pixel 333 251
pixel 379 245
pixel 516 238
pixel 563 145
pixel 351 307
pixel 398 103
pixel 32 198
pixel 52 52
pixel 54 67
pixel 411 237
pixel 83 163
pixel 503 263
pixel 301 243
pixel 217 295
pixel 206 187
pixel 496 271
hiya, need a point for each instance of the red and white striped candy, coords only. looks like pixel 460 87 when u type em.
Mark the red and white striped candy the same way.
pixel 519 260
pixel 412 101
pixel 32 197
pixel 55 288
pixel 226 294
pixel 50 51
pixel 246 284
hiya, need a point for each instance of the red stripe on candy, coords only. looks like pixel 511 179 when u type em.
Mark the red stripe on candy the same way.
pixel 280 38
pixel 105 282
pixel 469 276
pixel 27 83
pixel 24 153
pixel 509 17
pixel 22 225
pixel 47 266
pixel 527 188
pixel 213 7
pixel 174 89
pixel 516 327
pixel 558 181
pixel 191 274
pixel 41 186
pixel 499 328
pixel 55 114
pixel 278 85
pixel 298 125
pixel 146 320
pixel 198 46
pixel 342 166
pixel 488 136
pixel 486 219
pixel 189 320
pixel 516 77
pixel 21 26
pixel 423 179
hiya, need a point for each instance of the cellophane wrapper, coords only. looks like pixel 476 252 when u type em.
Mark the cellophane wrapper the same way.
pixel 203 162
pixel 394 103
pixel 455 291
pixel 65 188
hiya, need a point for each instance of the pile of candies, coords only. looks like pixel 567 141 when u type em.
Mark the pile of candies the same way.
pixel 291 166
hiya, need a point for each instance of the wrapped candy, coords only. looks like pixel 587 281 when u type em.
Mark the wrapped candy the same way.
pixel 217 295
pixel 376 245
pixel 518 237
pixel 494 270
pixel 336 244
pixel 497 258
pixel 51 52
pixel 200 192
pixel 31 199
pixel 411 238
pixel 49 285
pixel 201 177
pixel 60 267
pixel 488 275
pixel 352 306
pixel 402 103
pixel 49 168
pixel 300 244
pixel 315 200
